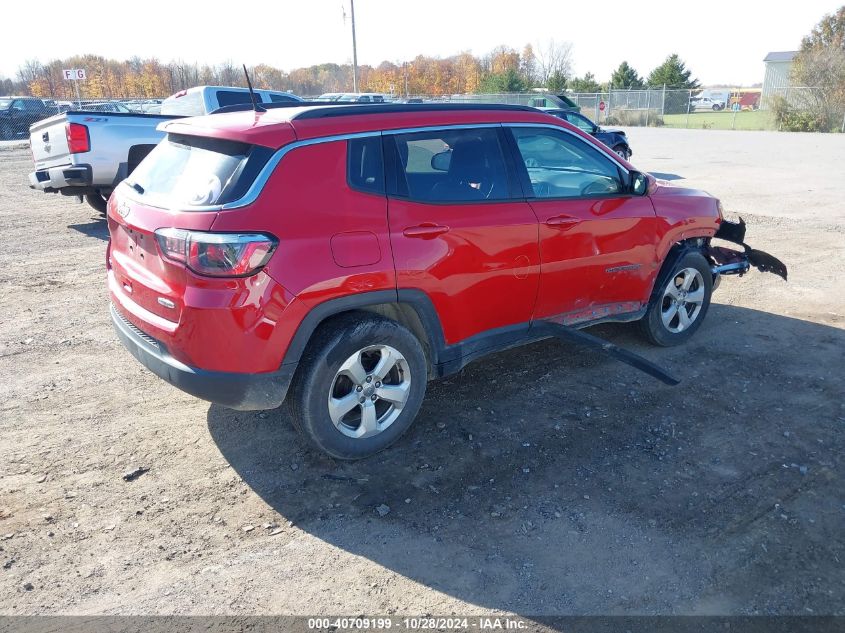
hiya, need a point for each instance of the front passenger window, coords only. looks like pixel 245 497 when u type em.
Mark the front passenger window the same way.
pixel 560 165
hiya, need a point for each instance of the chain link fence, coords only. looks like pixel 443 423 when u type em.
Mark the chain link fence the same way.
pixel 18 113
pixel 805 109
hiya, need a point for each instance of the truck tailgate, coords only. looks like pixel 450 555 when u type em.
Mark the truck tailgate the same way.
pixel 48 140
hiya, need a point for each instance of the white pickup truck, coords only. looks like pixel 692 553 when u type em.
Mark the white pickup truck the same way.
pixel 87 153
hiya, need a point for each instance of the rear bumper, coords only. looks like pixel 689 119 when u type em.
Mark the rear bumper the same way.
pixel 245 392
pixel 53 179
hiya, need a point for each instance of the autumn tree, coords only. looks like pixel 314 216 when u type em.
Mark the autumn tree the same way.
pixel 528 65
pixel 828 33
pixel 504 69
pixel 819 71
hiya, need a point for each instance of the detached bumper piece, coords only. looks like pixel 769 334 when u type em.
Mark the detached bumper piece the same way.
pixel 727 261
pixel 579 337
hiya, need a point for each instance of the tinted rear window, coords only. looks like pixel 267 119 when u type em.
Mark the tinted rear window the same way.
pixel 233 97
pixel 190 171
pixel 275 97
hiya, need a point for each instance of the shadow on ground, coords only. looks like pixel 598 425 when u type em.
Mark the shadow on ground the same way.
pixel 550 480
pixel 97 227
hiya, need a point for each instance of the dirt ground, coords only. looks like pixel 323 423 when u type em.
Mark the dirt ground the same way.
pixel 543 480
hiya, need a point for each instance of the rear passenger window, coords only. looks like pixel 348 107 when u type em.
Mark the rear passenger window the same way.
pixel 451 166
pixel 365 167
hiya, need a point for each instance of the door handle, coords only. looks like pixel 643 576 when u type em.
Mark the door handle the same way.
pixel 425 231
pixel 563 221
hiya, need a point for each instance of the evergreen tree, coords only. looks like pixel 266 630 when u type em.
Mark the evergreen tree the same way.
pixel 673 74
pixel 556 82
pixel 587 83
pixel 625 77
pixel 507 81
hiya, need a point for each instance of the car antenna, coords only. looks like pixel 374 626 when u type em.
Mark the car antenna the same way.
pixel 252 96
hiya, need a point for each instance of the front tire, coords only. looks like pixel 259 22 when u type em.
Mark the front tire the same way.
pixel 359 386
pixel 622 151
pixel 6 132
pixel 679 302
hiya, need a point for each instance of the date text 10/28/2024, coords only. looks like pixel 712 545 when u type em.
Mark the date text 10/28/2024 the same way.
pixel 418 623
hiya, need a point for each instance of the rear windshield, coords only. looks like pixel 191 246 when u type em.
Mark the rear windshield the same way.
pixel 189 104
pixel 235 97
pixel 191 172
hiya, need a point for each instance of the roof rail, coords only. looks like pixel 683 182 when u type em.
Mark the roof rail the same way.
pixel 242 107
pixel 386 108
pixel 323 109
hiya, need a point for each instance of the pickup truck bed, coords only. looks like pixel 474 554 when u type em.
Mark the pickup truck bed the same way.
pixel 87 154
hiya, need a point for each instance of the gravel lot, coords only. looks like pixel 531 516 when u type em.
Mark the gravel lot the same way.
pixel 543 480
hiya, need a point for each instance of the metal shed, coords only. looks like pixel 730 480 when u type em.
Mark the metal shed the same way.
pixel 776 81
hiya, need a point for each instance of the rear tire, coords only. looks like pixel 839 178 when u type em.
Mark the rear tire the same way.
pixel 98 202
pixel 359 386
pixel 679 302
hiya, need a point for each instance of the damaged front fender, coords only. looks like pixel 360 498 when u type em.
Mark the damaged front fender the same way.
pixel 727 261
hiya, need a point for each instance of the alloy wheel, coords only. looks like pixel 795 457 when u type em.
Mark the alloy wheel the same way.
pixel 369 390
pixel 682 300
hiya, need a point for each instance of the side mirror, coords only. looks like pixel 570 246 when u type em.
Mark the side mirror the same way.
pixel 638 183
pixel 441 161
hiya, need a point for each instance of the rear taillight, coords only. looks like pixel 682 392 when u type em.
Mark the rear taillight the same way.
pixel 77 138
pixel 217 254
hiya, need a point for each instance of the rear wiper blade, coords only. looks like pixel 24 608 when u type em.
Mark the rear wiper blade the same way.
pixel 137 187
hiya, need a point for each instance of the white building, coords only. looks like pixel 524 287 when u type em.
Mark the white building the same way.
pixel 776 81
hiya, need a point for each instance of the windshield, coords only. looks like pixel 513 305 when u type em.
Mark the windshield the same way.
pixel 580 122
pixel 189 171
pixel 5 103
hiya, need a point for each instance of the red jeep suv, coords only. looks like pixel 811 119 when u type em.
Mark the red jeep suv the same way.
pixel 339 257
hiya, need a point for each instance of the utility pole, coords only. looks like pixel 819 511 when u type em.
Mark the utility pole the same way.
pixel 354 50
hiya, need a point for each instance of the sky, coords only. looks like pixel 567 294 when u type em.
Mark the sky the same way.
pixel 721 42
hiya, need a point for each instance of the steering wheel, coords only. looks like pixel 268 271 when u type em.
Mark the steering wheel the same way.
pixel 531 162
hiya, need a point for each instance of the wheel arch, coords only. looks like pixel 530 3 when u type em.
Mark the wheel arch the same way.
pixel 676 251
pixel 136 154
pixel 411 308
